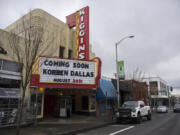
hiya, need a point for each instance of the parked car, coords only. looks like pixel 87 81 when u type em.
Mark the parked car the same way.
pixel 162 109
pixel 134 110
pixel 177 107
pixel 153 108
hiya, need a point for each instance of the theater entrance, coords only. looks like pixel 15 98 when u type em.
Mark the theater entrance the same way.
pixel 57 105
pixel 64 107
pixel 65 103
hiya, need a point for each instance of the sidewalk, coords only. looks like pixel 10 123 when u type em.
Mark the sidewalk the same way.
pixel 57 126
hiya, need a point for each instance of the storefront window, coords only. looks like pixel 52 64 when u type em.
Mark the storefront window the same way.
pixel 39 103
pixel 8 111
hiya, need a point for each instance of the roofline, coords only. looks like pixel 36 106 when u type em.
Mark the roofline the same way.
pixel 36 10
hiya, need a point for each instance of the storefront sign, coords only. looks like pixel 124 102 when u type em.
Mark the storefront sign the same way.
pixel 80 19
pixel 54 70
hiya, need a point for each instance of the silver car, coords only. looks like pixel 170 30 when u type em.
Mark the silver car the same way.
pixel 177 107
pixel 162 109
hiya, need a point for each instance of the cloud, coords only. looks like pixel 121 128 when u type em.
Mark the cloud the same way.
pixel 154 23
pixel 169 69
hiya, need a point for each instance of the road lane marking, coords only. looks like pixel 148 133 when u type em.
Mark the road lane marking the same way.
pixel 122 130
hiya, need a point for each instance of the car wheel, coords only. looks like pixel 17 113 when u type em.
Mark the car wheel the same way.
pixel 139 119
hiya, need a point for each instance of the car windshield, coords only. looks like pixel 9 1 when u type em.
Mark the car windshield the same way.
pixel 177 105
pixel 130 104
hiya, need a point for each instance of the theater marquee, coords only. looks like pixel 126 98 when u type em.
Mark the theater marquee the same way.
pixel 65 73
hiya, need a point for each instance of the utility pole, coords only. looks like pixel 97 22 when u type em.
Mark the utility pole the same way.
pixel 117 76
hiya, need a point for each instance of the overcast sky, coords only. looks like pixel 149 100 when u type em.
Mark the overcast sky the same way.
pixel 155 50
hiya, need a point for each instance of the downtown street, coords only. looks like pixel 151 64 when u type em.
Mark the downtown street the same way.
pixel 84 67
pixel 161 124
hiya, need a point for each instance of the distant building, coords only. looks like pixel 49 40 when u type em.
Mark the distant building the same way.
pixel 158 91
pixel 132 90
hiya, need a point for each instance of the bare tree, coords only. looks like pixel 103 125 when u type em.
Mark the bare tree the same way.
pixel 138 75
pixel 25 45
pixel 136 86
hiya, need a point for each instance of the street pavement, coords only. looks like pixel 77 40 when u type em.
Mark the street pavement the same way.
pixel 161 124
pixel 58 126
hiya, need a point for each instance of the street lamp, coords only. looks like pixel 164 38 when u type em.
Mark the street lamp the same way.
pixel 117 77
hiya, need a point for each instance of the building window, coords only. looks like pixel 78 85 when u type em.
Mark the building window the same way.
pixel 85 103
pixel 70 54
pixel 9 65
pixel 1 64
pixel 154 85
pixel 9 83
pixel 61 52
pixel 154 88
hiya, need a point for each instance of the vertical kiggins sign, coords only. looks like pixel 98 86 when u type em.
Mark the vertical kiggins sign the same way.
pixel 80 19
